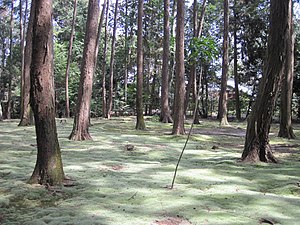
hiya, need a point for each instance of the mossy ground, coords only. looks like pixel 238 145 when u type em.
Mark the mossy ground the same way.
pixel 116 186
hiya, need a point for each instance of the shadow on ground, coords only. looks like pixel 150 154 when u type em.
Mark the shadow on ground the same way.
pixel 117 186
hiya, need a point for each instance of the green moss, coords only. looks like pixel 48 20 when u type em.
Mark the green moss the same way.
pixel 116 186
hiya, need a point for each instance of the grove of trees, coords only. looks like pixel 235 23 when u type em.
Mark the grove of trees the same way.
pixel 238 59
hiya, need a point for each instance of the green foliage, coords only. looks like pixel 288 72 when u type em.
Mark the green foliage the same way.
pixel 204 49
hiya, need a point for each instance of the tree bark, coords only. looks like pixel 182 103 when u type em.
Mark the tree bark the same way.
pixel 222 111
pixel 285 128
pixel 112 63
pixel 26 112
pixel 165 115
pixel 178 125
pixel 48 168
pixel 69 60
pixel 140 122
pixel 257 147
pixel 80 130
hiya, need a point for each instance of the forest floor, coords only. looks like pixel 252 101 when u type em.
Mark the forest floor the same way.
pixel 115 186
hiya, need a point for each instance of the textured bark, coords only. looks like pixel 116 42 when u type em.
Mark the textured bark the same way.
pixel 178 125
pixel 48 168
pixel 222 111
pixel 285 128
pixel 112 63
pixel 80 130
pixel 165 115
pixel 257 147
pixel 69 60
pixel 140 122
pixel 26 113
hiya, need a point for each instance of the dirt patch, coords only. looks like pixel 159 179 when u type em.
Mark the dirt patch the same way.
pixel 227 131
pixel 172 221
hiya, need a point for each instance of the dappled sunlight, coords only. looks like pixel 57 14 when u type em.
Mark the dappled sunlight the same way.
pixel 118 185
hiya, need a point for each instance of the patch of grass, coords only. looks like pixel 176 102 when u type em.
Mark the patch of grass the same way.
pixel 117 186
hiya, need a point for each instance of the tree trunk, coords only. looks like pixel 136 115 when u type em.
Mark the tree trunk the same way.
pixel 9 98
pixel 80 130
pixel 153 85
pixel 48 168
pixel 26 113
pixel 104 109
pixel 111 67
pixel 257 147
pixel 22 45
pixel 126 54
pixel 222 111
pixel 285 128
pixel 69 60
pixel 165 115
pixel 197 31
pixel 178 125
pixel 140 122
pixel 235 67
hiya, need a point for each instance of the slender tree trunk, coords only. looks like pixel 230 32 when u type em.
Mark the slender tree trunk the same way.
pixel 80 130
pixel 222 111
pixel 49 168
pixel 205 87
pixel 9 98
pixel 153 85
pixel 104 108
pixel 69 60
pixel 165 115
pixel 257 147
pixel 112 63
pixel 26 112
pixel 178 125
pixel 22 46
pixel 197 31
pixel 235 67
pixel 126 54
pixel 140 122
pixel 285 128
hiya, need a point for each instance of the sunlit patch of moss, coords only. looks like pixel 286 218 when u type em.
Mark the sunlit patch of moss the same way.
pixel 117 186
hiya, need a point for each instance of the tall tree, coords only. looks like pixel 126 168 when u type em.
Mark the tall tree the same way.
pixel 49 167
pixel 126 53
pixel 69 60
pixel 285 128
pixel 165 115
pixel 178 125
pixel 111 67
pixel 22 43
pixel 192 82
pixel 257 147
pixel 81 121
pixel 9 98
pixel 140 122
pixel 235 65
pixel 26 113
pixel 104 108
pixel 222 111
